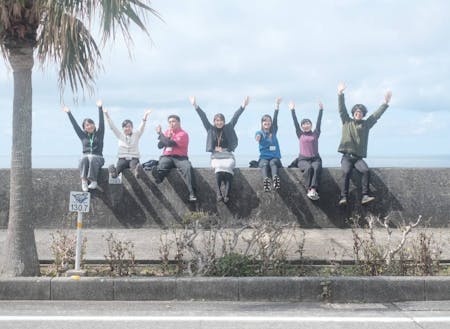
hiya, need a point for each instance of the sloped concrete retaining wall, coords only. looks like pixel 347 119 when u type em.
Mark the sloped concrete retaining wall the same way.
pixel 401 193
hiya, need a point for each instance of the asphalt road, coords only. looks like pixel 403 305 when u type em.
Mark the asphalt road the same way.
pixel 214 315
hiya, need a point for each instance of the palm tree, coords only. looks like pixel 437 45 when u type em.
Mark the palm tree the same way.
pixel 57 31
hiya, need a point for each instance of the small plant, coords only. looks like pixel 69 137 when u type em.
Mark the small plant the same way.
pixel 259 248
pixel 425 254
pixel 120 257
pixel 164 250
pixel 326 291
pixel 234 264
pixel 373 257
pixel 63 247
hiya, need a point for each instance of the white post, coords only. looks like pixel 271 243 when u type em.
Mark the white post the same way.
pixel 79 241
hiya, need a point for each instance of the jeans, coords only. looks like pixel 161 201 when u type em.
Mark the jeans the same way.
pixel 349 162
pixel 269 168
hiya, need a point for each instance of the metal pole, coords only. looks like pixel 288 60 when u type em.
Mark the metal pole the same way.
pixel 79 240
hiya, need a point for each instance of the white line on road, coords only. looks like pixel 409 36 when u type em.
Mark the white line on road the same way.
pixel 328 319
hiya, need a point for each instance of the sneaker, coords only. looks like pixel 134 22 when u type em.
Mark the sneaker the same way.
pixel 343 201
pixel 226 199
pixel 276 182
pixel 112 171
pixel 84 186
pixel 367 198
pixel 219 197
pixel 267 184
pixel 93 185
pixel 138 171
pixel 192 197
pixel 313 195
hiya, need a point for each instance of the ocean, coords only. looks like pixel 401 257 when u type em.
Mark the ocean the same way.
pixel 242 160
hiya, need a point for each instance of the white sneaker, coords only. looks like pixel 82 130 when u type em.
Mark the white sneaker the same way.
pixel 313 195
pixel 84 186
pixel 93 185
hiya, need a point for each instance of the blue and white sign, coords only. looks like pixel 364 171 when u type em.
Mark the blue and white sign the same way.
pixel 79 201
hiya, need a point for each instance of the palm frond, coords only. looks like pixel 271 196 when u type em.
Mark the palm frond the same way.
pixel 65 36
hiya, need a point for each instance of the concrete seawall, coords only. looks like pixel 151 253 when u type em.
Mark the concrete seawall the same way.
pixel 401 193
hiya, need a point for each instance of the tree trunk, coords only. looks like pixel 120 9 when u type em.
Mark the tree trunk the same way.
pixel 20 254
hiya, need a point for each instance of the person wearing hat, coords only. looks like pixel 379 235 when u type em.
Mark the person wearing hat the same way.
pixel 269 149
pixel 353 146
pixel 309 160
pixel 221 141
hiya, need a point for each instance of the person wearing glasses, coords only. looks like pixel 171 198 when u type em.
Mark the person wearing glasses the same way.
pixel 353 145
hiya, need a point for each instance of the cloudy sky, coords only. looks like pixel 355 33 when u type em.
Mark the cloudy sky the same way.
pixel 221 51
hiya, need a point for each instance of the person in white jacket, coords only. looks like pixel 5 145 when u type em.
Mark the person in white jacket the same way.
pixel 128 153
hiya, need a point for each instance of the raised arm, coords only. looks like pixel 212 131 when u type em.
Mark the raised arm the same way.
pixel 101 120
pixel 341 100
pixel 371 120
pixel 111 124
pixel 298 131
pixel 75 125
pixel 239 111
pixel 275 115
pixel 319 118
pixel 200 113
pixel 141 128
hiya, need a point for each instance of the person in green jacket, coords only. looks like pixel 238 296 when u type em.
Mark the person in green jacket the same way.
pixel 353 146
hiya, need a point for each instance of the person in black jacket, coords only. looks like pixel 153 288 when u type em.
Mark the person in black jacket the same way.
pixel 221 141
pixel 92 143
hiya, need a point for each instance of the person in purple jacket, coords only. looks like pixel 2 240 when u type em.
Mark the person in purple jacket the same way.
pixel 309 160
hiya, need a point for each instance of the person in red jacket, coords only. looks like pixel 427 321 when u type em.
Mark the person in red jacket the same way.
pixel 174 142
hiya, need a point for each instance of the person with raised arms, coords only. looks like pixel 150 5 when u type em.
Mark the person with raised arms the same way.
pixel 309 160
pixel 269 149
pixel 91 139
pixel 128 142
pixel 354 141
pixel 221 141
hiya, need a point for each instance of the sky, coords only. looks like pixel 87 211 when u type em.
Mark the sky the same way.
pixel 222 51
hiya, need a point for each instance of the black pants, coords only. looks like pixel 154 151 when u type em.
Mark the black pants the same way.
pixel 226 178
pixel 166 163
pixel 269 168
pixel 312 170
pixel 123 164
pixel 349 162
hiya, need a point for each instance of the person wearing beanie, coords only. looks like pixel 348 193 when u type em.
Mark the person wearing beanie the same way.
pixel 221 141
pixel 128 153
pixel 269 149
pixel 353 146
pixel 309 160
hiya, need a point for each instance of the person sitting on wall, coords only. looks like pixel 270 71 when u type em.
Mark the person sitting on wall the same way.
pixel 269 149
pixel 128 153
pixel 309 160
pixel 174 142
pixel 353 146
pixel 92 143
pixel 221 141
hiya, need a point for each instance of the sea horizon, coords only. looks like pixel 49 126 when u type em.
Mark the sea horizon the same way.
pixel 242 161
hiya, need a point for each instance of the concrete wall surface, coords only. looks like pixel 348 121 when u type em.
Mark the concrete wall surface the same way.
pixel 293 289
pixel 403 194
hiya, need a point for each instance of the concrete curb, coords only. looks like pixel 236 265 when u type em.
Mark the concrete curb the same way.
pixel 293 289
